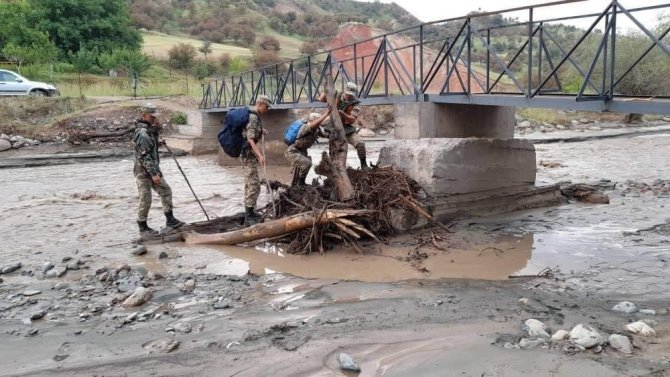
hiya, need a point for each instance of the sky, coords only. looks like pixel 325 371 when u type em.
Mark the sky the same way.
pixel 432 10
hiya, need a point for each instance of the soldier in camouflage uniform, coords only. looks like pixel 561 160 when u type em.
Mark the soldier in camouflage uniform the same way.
pixel 348 107
pixel 147 170
pixel 251 157
pixel 296 154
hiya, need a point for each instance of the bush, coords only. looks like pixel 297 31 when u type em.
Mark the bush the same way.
pixel 63 67
pixel 179 118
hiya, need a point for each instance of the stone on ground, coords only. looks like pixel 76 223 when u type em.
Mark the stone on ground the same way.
pixel 625 307
pixel 586 336
pixel 640 328
pixel 621 343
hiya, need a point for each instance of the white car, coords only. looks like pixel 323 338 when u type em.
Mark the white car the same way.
pixel 13 84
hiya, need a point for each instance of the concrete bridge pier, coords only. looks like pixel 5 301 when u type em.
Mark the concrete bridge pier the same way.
pixel 462 150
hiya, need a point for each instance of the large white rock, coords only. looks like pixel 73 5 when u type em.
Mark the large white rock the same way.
pixel 364 132
pixel 586 336
pixel 459 165
pixel 625 307
pixel 4 145
pixel 535 328
pixel 139 297
pixel 621 343
pixel 640 328
pixel 560 335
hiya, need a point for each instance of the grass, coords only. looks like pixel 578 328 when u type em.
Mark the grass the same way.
pixel 31 116
pixel 545 115
pixel 157 45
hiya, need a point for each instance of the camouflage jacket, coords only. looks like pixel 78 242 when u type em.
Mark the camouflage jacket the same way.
pixel 145 143
pixel 350 107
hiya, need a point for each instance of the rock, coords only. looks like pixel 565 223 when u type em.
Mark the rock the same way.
pixel 72 266
pixel 10 268
pixel 32 332
pixel 648 311
pixel 527 344
pixel 4 137
pixel 38 314
pixel 163 345
pixel 625 307
pixel 182 326
pixel 560 127
pixel 56 272
pixel 155 275
pixel 640 328
pixel 121 267
pixel 139 297
pixel 61 285
pixel 47 266
pixel 584 121
pixel 524 124
pixel 523 301
pixel 104 276
pixel 586 336
pixel 225 304
pixel 649 322
pixel 621 343
pixel 131 317
pixel 594 128
pixel 162 255
pixel 383 132
pixel 66 259
pixel 31 292
pixel 535 329
pixel 560 335
pixel 189 285
pixel 508 345
pixel 140 250
pixel 5 145
pixel 364 132
pixel 574 122
pixel 347 363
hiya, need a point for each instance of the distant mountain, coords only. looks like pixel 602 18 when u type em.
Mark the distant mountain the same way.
pixel 245 22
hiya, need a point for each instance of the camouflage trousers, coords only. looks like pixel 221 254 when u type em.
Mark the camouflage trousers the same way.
pixel 252 184
pixel 357 143
pixel 298 161
pixel 144 186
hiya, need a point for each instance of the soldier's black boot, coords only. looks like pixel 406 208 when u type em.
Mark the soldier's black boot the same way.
pixel 145 230
pixel 364 164
pixel 301 181
pixel 171 222
pixel 250 217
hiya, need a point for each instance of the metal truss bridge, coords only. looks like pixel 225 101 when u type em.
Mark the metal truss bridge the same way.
pixel 481 59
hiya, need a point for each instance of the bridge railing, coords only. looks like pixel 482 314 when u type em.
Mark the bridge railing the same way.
pixel 464 56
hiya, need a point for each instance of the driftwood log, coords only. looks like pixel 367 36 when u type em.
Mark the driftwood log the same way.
pixel 271 229
pixel 336 159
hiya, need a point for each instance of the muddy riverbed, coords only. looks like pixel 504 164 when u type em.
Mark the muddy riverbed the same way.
pixel 233 311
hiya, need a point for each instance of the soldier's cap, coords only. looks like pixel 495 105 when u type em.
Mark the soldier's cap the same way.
pixel 151 109
pixel 351 88
pixel 264 99
pixel 314 116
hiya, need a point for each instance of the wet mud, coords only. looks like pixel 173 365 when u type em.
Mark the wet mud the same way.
pixel 401 308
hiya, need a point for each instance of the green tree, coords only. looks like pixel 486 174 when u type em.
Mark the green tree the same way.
pixel 83 61
pixel 91 24
pixel 182 55
pixel 206 48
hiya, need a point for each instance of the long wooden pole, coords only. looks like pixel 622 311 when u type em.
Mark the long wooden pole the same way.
pixel 270 229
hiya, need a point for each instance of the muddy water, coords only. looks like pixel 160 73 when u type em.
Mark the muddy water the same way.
pixel 56 211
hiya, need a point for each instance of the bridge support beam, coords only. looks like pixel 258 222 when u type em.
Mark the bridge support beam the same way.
pixel 275 122
pixel 427 119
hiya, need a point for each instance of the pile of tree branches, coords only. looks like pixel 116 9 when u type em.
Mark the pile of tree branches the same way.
pixel 378 192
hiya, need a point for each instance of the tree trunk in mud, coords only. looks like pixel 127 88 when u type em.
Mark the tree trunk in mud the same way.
pixel 337 149
pixel 270 229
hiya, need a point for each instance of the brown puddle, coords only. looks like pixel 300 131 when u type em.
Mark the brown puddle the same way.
pixel 499 260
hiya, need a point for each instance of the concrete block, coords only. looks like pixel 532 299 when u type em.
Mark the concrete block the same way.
pixel 461 166
pixel 431 120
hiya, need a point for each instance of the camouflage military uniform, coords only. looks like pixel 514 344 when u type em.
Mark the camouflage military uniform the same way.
pixel 145 142
pixel 296 154
pixel 252 184
pixel 350 107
